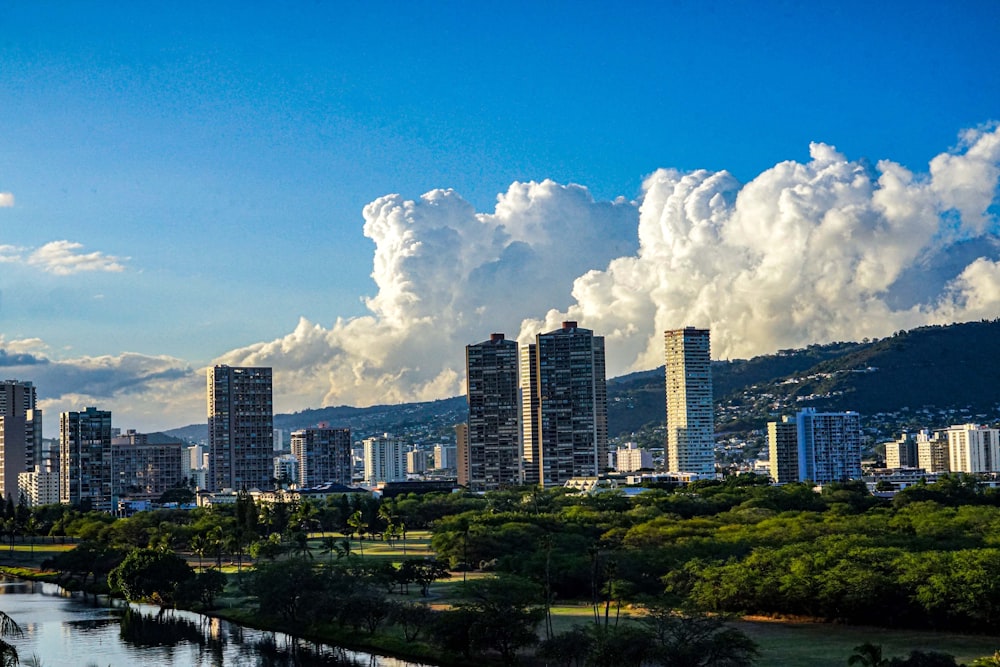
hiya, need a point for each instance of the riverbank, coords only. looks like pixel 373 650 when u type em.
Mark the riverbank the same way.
pixel 788 642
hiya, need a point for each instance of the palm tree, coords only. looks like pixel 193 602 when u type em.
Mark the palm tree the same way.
pixel 360 526
pixel 199 545
pixel 233 543
pixel 329 547
pixel 214 541
pixel 343 549
pixel 8 652
pixel 868 655
pixel 300 544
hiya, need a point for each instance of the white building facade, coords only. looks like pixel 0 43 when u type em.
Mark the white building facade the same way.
pixel 385 459
pixel 973 449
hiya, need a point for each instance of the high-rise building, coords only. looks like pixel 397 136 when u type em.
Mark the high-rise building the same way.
pixel 385 459
pixel 829 445
pixel 85 459
pixel 324 455
pixel 20 434
pixel 973 449
pixel 901 453
pixel 416 461
pixel 632 458
pixel 530 431
pixel 462 453
pixel 819 447
pixel 569 437
pixel 494 414
pixel 932 451
pixel 783 450
pixel 240 428
pixel 690 414
pixel 39 487
pixel 144 466
pixel 285 470
pixel 444 456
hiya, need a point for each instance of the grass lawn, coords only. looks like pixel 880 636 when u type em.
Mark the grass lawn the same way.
pixel 828 645
pixel 417 545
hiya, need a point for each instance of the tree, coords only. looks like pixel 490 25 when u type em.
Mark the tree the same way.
pixel 357 524
pixel 987 661
pixel 566 649
pixel 8 652
pixel 300 545
pixel 329 547
pixel 505 612
pixel 149 574
pixel 204 587
pixel 868 655
pixel 925 659
pixel 199 545
pixel 696 640
pixel 423 573
pixel 412 618
pixel 295 589
pixel 619 646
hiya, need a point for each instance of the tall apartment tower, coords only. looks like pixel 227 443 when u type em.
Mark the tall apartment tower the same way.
pixel 530 432
pixel 240 428
pixel 569 437
pixel 20 434
pixel 819 447
pixel 385 459
pixel 973 448
pixel 783 450
pixel 829 445
pixel 462 453
pixel 690 415
pixel 145 466
pixel 494 414
pixel 932 451
pixel 324 455
pixel 85 459
pixel 901 453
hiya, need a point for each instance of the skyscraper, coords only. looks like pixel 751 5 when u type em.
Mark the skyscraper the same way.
pixel 145 466
pixel 324 455
pixel 783 450
pixel 85 459
pixel 530 434
pixel 494 414
pixel 829 445
pixel 973 449
pixel 690 416
pixel 385 459
pixel 819 447
pixel 569 437
pixel 20 434
pixel 240 428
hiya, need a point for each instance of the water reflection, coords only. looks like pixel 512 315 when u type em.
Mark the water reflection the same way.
pixel 61 629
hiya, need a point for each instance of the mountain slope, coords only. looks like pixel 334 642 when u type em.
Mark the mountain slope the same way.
pixel 945 367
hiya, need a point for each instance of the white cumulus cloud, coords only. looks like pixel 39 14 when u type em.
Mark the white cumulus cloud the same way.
pixel 64 258
pixel 833 248
pixel 6 199
pixel 447 276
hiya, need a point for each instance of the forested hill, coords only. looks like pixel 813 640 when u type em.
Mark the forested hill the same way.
pixel 936 368
pixel 940 367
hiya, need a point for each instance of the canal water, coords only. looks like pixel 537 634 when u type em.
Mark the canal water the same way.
pixel 63 630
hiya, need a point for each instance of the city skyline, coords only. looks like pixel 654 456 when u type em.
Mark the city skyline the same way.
pixel 362 179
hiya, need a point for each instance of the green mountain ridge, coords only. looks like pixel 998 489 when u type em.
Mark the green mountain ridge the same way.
pixel 926 370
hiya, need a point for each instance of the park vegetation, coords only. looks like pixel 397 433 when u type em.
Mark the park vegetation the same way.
pixel 660 571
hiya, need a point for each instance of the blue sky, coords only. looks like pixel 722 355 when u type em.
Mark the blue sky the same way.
pixel 212 160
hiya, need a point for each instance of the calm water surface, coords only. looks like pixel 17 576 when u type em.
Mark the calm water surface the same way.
pixel 61 629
